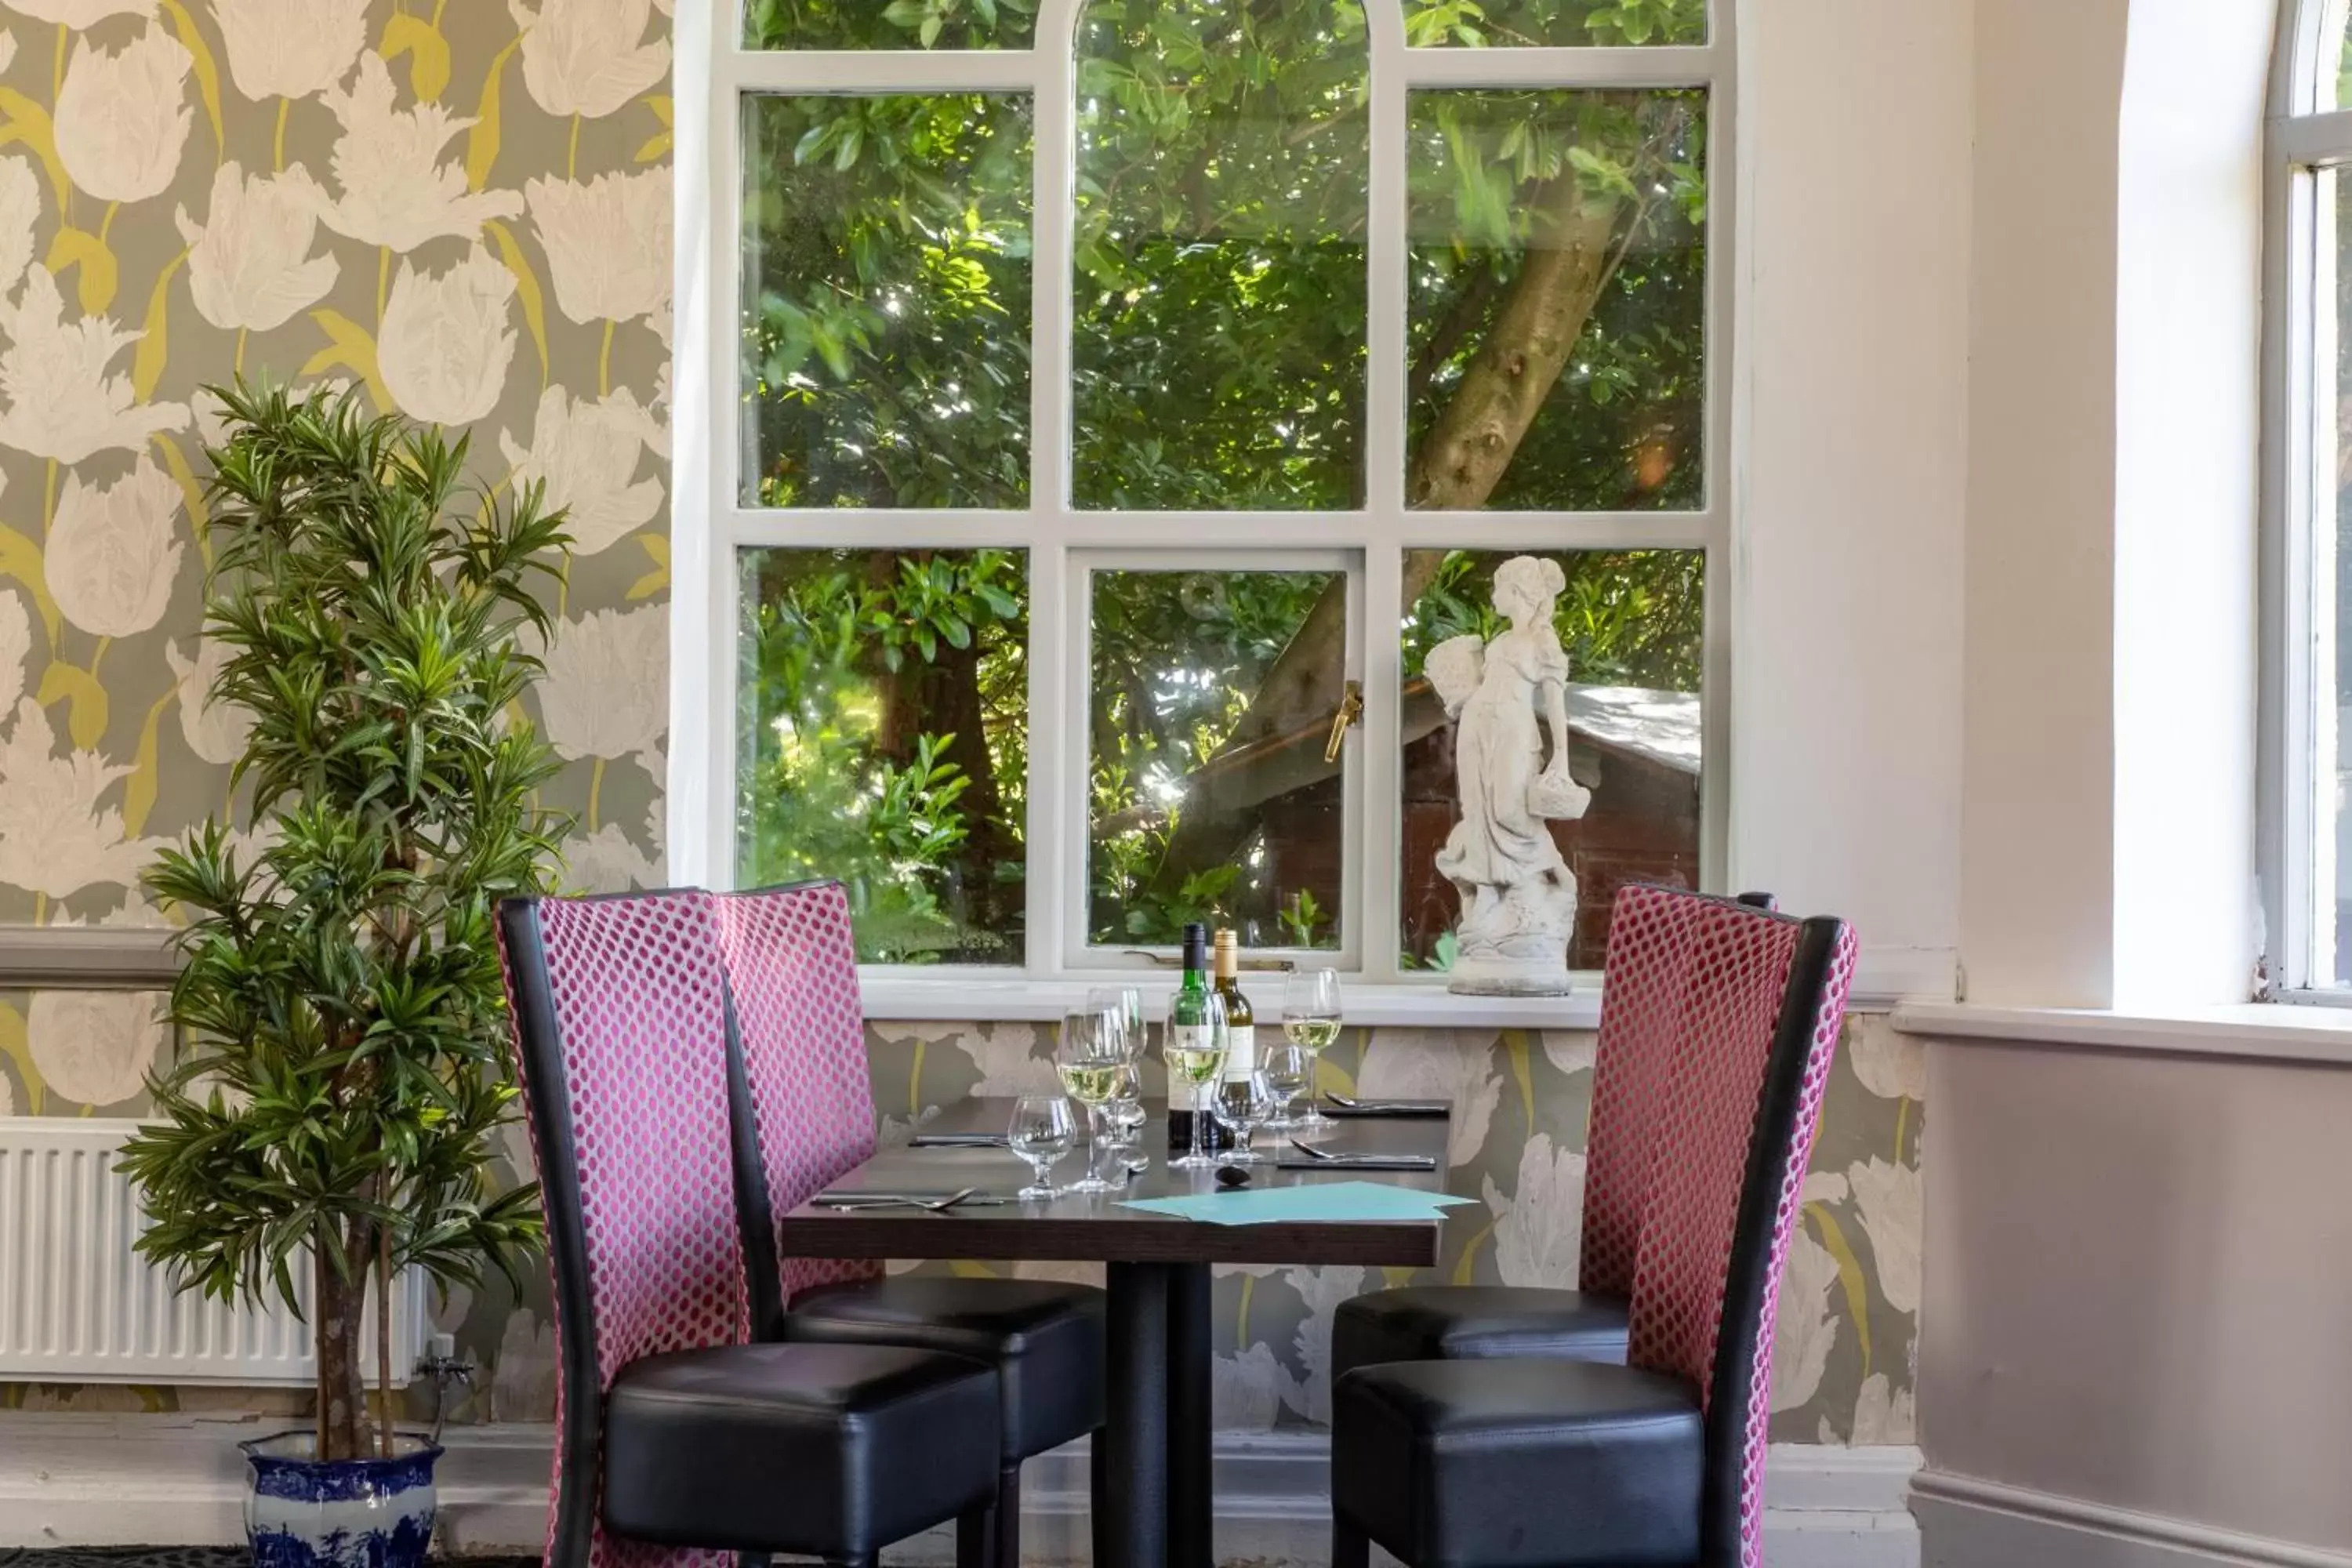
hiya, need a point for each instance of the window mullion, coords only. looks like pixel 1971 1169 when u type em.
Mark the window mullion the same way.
pixel 1381 777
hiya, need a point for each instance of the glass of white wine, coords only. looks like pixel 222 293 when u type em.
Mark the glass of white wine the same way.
pixel 1195 1055
pixel 1310 1020
pixel 1091 1058
pixel 1041 1132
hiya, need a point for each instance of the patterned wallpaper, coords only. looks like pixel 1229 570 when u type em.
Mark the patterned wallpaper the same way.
pixel 1848 1333
pixel 464 208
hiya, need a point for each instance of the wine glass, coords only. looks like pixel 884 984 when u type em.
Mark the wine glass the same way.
pixel 1195 1056
pixel 1041 1133
pixel 1287 1071
pixel 1310 1020
pixel 1127 1116
pixel 1244 1104
pixel 1126 1001
pixel 1091 1058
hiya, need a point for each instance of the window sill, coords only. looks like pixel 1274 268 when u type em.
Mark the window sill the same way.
pixel 2248 1031
pixel 900 998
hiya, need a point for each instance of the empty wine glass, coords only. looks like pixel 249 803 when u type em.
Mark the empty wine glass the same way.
pixel 1127 1116
pixel 1244 1104
pixel 1287 1071
pixel 1091 1058
pixel 1195 1055
pixel 1126 1001
pixel 1041 1133
pixel 1310 1020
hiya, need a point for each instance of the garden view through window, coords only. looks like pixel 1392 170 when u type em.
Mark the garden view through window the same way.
pixel 1134 607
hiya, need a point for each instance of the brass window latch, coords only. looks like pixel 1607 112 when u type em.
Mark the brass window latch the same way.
pixel 1351 709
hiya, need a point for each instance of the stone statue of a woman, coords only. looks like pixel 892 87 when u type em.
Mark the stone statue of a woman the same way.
pixel 1519 898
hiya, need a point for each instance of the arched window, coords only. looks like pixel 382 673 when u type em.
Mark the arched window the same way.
pixel 1111 402
pixel 2307 428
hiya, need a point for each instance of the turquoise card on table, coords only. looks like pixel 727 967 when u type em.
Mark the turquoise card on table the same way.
pixel 1308 1203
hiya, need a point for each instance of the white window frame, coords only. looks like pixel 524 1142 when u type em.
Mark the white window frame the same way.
pixel 2298 742
pixel 1062 541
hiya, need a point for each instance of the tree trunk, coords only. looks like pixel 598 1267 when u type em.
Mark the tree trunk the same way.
pixel 383 1341
pixel 335 1326
pixel 1569 258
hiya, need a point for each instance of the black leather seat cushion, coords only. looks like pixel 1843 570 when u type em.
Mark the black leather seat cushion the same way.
pixel 823 1450
pixel 1044 1339
pixel 1463 1322
pixel 1514 1464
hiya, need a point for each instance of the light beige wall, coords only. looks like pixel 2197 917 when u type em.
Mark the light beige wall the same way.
pixel 2038 769
pixel 2138 1287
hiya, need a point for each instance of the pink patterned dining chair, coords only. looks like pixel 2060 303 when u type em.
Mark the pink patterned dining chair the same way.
pixel 1562 1463
pixel 1643 976
pixel 678 1441
pixel 807 1106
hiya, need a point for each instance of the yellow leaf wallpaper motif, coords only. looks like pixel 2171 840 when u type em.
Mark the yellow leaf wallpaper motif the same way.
pixel 443 204
pixel 315 191
pixel 318 191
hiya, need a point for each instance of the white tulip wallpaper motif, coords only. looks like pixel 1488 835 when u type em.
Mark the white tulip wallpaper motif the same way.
pixel 315 191
pixel 462 208
pixel 402 196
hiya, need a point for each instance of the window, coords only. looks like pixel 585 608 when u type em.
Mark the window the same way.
pixel 2307 831
pixel 1117 400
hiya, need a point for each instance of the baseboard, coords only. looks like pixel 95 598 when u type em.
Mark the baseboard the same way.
pixel 113 1480
pixel 1969 1522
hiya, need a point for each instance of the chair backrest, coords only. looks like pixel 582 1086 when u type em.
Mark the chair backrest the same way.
pixel 806 1099
pixel 619 1007
pixel 1765 998
pixel 1642 987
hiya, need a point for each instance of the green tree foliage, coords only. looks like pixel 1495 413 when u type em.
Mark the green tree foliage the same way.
pixel 1556 277
pixel 340 994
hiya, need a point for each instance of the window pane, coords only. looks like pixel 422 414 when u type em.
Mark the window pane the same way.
pixel 1499 24
pixel 1219 308
pixel 885 300
pixel 899 25
pixel 2331 590
pixel 880 738
pixel 1210 800
pixel 1632 625
pixel 1558 294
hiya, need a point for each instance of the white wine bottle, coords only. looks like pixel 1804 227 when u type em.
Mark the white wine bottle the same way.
pixel 1189 1047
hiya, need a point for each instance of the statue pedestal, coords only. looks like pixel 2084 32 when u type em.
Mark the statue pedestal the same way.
pixel 1507 978
pixel 1516 945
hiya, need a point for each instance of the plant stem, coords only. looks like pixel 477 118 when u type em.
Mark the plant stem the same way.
pixel 285 105
pixel 605 362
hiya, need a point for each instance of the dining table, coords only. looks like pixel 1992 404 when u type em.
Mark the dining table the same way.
pixel 1153 1506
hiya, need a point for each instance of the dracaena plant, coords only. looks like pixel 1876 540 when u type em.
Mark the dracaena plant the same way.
pixel 340 996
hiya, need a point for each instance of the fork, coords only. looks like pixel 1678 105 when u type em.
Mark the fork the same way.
pixel 932 1205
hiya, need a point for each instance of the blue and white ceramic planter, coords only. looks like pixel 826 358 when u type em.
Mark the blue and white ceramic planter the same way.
pixel 346 1513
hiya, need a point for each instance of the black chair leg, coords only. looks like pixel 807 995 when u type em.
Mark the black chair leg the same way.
pixel 1097 1489
pixel 1006 1550
pixel 975 1532
pixel 1350 1547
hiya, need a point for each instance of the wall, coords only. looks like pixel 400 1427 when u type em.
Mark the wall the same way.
pixel 2138 1271
pixel 525 354
pixel 464 208
pixel 1843 1367
pixel 1854 125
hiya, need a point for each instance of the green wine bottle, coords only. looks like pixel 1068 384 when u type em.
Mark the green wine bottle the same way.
pixel 1187 1031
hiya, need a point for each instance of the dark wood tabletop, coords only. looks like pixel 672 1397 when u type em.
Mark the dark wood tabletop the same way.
pixel 1093 1226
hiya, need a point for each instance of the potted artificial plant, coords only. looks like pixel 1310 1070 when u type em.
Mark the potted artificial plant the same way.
pixel 341 997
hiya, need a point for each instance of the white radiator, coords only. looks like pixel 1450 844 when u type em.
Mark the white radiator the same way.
pixel 77 1305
